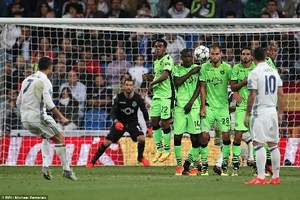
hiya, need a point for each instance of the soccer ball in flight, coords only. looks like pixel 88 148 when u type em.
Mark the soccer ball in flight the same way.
pixel 201 53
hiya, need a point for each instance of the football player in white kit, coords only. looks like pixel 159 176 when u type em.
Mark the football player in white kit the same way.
pixel 33 100
pixel 265 86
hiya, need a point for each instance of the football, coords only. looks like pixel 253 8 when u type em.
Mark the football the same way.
pixel 201 53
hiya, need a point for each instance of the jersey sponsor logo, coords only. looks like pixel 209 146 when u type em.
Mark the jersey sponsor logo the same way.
pixel 192 79
pixel 122 102
pixel 127 111
pixel 167 64
pixel 215 81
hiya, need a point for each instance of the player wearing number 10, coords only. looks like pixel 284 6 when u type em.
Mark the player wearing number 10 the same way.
pixel 265 86
pixel 33 100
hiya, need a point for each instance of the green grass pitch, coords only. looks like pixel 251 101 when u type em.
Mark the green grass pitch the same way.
pixel 130 183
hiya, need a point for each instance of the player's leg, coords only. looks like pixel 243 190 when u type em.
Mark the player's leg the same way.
pixel 155 112
pixel 258 133
pixel 218 142
pixel 138 136
pixel 113 137
pixel 236 145
pixel 223 122
pixel 45 154
pixel 268 161
pixel 165 122
pixel 179 124
pixel 273 138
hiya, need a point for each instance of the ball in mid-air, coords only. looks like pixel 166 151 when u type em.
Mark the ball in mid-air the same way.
pixel 201 53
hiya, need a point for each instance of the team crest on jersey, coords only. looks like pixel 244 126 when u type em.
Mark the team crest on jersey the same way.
pixel 222 72
pixel 134 104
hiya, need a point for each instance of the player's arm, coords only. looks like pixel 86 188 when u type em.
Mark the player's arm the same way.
pixel 235 86
pixel 114 110
pixel 180 80
pixel 144 111
pixel 148 77
pixel 203 93
pixel 196 93
pixel 162 78
pixel 250 102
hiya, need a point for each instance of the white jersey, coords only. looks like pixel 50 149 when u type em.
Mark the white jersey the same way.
pixel 266 81
pixel 35 97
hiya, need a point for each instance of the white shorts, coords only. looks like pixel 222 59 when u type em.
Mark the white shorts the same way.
pixel 47 129
pixel 265 129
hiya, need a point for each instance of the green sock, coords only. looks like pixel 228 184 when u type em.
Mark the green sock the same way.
pixel 268 151
pixel 225 153
pixel 167 141
pixel 157 134
pixel 236 149
pixel 178 154
pixel 204 155
pixel 254 154
pixel 195 155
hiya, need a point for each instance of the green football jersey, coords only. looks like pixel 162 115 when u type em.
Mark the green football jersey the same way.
pixel 271 63
pixel 186 91
pixel 164 89
pixel 216 84
pixel 239 73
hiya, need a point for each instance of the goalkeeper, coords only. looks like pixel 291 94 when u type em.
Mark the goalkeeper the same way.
pixel 124 115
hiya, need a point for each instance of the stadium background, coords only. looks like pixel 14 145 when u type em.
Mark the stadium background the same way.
pixel 101 52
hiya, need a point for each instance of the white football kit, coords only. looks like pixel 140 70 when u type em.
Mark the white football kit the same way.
pixel 265 80
pixel 33 100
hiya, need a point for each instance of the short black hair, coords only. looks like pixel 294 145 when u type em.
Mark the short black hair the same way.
pixel 163 41
pixel 186 50
pixel 129 79
pixel 246 48
pixel 44 63
pixel 259 54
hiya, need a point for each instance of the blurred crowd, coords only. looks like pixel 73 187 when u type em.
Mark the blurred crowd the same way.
pixel 89 65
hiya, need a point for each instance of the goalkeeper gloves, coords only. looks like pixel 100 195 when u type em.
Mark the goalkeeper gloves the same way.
pixel 149 128
pixel 119 126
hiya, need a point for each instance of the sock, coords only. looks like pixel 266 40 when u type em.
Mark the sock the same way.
pixel 140 150
pixel 157 136
pixel 99 153
pixel 236 150
pixel 254 154
pixel 195 156
pixel 62 154
pixel 250 151
pixel 167 139
pixel 45 152
pixel 225 152
pixel 178 155
pixel 260 161
pixel 269 162
pixel 220 160
pixel 275 160
pixel 204 155
pixel 188 161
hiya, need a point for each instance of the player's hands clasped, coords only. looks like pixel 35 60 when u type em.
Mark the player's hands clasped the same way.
pixel 203 112
pixel 119 126
pixel 237 97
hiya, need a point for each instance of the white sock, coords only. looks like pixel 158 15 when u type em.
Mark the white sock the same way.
pixel 62 154
pixel 45 152
pixel 260 161
pixel 250 151
pixel 275 154
pixel 219 161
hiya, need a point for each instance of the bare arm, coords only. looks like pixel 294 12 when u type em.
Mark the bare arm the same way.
pixel 203 93
pixel 250 101
pixel 235 86
pixel 180 80
pixel 196 93
pixel 148 77
pixel 280 101
pixel 163 77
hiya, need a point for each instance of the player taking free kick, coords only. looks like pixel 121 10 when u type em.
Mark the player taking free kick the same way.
pixel 33 100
